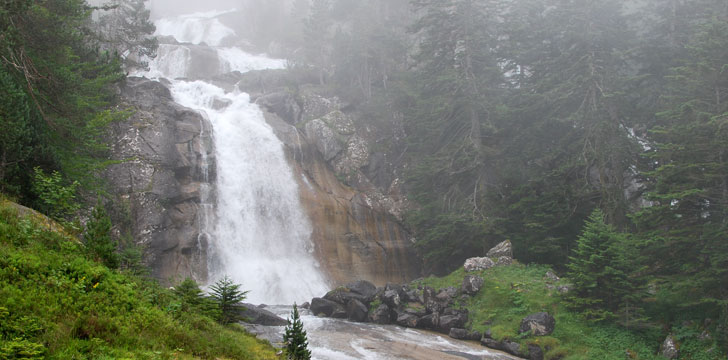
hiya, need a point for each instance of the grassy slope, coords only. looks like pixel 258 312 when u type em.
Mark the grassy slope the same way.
pixel 513 292
pixel 55 303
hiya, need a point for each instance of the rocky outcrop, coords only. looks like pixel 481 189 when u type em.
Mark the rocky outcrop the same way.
pixel 160 178
pixel 252 314
pixel 499 255
pixel 669 348
pixel 355 211
pixel 538 324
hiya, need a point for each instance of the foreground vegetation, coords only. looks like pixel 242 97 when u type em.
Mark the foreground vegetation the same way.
pixel 57 303
pixel 510 293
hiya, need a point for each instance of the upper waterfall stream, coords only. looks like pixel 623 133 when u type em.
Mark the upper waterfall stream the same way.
pixel 259 234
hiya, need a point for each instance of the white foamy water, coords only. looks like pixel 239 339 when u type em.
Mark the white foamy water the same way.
pixel 335 339
pixel 195 28
pixel 259 234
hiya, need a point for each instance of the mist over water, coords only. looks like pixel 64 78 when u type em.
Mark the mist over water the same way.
pixel 260 236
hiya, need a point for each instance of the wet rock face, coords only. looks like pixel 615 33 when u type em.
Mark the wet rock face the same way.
pixel 159 179
pixel 358 231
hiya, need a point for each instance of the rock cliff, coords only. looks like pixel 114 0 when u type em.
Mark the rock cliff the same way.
pixel 357 225
pixel 160 178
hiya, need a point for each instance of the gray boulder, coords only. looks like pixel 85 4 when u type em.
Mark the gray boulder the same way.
pixel 463 334
pixel 539 324
pixel 669 348
pixel 504 261
pixel 472 284
pixel 448 322
pixel 356 311
pixel 257 315
pixel 325 307
pixel 430 321
pixel 503 249
pixel 363 288
pixel 407 320
pixel 478 264
pixel 391 298
pixel 381 315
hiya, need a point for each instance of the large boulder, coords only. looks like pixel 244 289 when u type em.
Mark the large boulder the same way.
pixel 381 315
pixel 356 311
pixel 539 324
pixel 452 320
pixel 463 334
pixel 430 321
pixel 472 284
pixel 391 298
pixel 669 348
pixel 360 290
pixel 363 288
pixel 478 264
pixel 325 307
pixel 407 320
pixel 256 315
pixel 503 249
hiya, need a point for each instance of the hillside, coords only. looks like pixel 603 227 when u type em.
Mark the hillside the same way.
pixel 56 303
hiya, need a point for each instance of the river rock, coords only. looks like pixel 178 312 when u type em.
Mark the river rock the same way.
pixel 391 298
pixel 463 334
pixel 256 315
pixel 356 311
pixel 325 307
pixel 472 284
pixel 478 264
pixel 669 348
pixel 363 288
pixel 539 324
pixel 407 320
pixel 431 304
pixel 342 295
pixel 429 321
pixel 456 320
pixel 503 249
pixel 381 315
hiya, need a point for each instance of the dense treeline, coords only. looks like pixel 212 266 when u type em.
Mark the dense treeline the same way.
pixel 592 134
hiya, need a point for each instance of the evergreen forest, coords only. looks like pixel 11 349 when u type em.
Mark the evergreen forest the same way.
pixel 592 134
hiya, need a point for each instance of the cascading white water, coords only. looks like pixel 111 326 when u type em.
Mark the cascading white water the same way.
pixel 260 236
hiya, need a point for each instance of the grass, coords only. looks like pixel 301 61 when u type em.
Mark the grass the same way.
pixel 55 303
pixel 510 293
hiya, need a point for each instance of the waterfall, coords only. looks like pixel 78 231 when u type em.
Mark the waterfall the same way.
pixel 259 234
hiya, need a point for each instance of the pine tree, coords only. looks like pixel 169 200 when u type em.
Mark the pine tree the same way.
pixel 599 270
pixel 194 299
pixel 227 295
pixel 295 338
